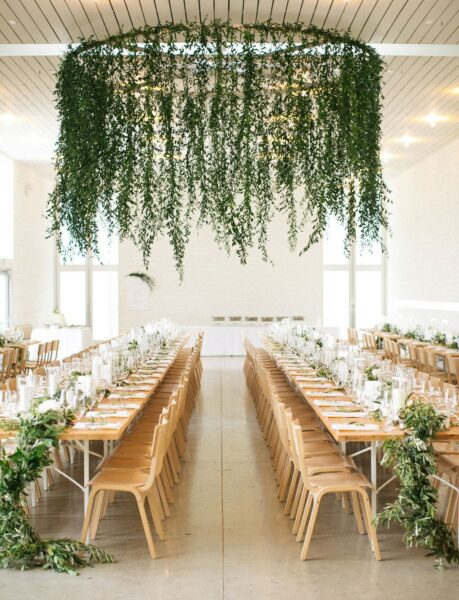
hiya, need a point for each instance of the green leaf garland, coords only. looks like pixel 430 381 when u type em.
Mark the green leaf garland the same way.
pixel 413 459
pixel 211 123
pixel 20 545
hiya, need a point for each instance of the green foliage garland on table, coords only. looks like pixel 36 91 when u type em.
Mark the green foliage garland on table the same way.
pixel 20 545
pixel 413 459
pixel 207 123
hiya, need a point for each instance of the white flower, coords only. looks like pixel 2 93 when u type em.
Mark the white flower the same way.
pixel 49 405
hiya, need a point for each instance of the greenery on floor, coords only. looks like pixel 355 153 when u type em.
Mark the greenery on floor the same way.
pixel 223 125
pixel 20 545
pixel 413 460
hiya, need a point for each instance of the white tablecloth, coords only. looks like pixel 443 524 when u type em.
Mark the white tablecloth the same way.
pixel 228 340
pixel 71 339
pixel 221 340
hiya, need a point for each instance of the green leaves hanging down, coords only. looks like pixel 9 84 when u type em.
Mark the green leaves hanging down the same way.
pixel 413 459
pixel 147 279
pixel 220 125
pixel 20 545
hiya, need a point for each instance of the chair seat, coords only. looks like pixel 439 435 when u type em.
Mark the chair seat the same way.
pixel 328 463
pixel 340 480
pixel 120 478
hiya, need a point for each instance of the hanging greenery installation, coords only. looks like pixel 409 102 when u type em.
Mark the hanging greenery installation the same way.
pixel 168 127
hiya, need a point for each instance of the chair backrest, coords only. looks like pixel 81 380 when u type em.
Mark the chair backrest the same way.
pixel 413 352
pixel 54 349
pixel 5 363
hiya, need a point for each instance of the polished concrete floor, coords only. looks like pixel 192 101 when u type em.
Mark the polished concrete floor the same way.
pixel 227 538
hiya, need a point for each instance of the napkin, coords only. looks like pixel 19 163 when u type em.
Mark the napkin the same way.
pixel 132 405
pixel 355 427
pixel 107 413
pixel 127 395
pixel 97 425
pixel 332 394
pixel 343 413
pixel 333 402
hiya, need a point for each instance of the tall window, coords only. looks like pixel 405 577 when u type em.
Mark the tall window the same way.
pixel 6 207
pixel 88 290
pixel 353 288
pixel 4 300
pixel 6 236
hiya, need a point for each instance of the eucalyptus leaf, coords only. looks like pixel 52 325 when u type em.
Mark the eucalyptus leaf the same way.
pixel 220 125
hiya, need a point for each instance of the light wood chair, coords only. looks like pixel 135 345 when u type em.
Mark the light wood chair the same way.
pixel 320 485
pixel 136 482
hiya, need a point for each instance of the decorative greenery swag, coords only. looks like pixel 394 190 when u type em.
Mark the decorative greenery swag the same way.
pixel 413 459
pixel 20 544
pixel 212 123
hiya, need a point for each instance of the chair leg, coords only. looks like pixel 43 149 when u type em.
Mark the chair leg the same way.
pixel 300 510
pixel 312 522
pixel 299 490
pixel 146 526
pixel 97 514
pixel 304 518
pixel 291 492
pixel 163 498
pixel 369 522
pixel 153 503
pixel 87 519
pixel 357 514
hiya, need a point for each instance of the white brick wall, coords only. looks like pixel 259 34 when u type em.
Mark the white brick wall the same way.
pixel 33 263
pixel 423 266
pixel 216 284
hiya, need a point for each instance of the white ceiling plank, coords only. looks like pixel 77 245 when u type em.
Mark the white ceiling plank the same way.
pixel 361 16
pixel 321 12
pixel 20 15
pixel 207 10
pixel 151 15
pixel 235 10
pixel 136 14
pixel 57 18
pixel 334 15
pixel 192 10
pixel 11 29
pixel 77 20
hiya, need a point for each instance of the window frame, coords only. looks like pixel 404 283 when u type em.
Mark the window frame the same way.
pixel 353 268
pixel 88 267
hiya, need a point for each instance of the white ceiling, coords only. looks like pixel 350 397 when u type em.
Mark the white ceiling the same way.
pixel 414 87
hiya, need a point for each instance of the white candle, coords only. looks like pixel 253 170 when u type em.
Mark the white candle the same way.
pixel 24 398
pixel 52 384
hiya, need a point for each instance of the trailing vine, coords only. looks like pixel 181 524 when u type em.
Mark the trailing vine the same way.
pixel 211 123
pixel 413 459
pixel 20 545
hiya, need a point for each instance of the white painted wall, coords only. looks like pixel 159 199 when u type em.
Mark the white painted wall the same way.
pixel 216 284
pixel 423 265
pixel 33 262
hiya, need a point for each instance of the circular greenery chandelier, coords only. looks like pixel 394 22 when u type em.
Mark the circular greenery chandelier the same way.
pixel 168 127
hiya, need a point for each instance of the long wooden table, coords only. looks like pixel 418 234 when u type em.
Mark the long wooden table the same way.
pixel 295 368
pixel 83 437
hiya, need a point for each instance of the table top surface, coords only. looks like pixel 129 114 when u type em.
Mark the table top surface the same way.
pixel 144 382
pixel 313 391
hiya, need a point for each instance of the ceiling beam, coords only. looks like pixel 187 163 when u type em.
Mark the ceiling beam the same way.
pixel 451 50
